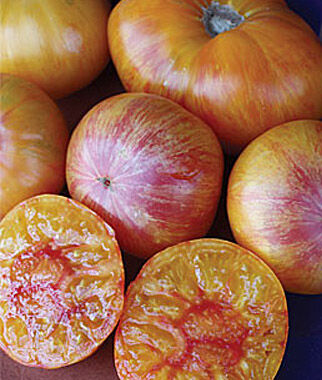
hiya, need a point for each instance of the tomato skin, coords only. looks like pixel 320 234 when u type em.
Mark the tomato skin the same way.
pixel 61 45
pixel 265 72
pixel 274 202
pixel 150 168
pixel 33 141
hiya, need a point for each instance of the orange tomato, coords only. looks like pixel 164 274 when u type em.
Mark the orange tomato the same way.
pixel 33 142
pixel 242 66
pixel 203 309
pixel 61 282
pixel 274 202
pixel 61 45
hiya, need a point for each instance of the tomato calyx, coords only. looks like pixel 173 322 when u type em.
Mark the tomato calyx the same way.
pixel 219 18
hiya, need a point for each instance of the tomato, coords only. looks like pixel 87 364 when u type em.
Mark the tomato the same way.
pixel 33 142
pixel 61 45
pixel 274 202
pixel 203 309
pixel 61 282
pixel 242 66
pixel 150 168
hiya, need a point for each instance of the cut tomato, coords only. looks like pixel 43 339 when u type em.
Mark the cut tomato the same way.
pixel 61 282
pixel 203 309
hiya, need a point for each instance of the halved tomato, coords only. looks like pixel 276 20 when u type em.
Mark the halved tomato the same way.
pixel 203 309
pixel 61 282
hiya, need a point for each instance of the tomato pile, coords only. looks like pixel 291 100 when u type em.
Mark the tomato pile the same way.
pixel 143 173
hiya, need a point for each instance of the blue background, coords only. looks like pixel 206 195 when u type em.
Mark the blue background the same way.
pixel 311 11
pixel 303 357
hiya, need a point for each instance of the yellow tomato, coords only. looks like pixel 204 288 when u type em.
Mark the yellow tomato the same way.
pixel 59 44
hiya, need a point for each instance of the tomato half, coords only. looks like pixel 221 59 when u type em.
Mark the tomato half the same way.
pixel 61 282
pixel 242 66
pixel 203 309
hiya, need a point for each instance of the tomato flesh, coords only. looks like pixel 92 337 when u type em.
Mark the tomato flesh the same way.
pixel 204 309
pixel 61 293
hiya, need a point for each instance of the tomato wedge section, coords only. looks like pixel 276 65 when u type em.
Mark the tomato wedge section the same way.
pixel 61 282
pixel 203 309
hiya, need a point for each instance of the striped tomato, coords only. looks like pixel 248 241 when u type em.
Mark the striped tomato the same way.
pixel 242 66
pixel 150 168
pixel 275 202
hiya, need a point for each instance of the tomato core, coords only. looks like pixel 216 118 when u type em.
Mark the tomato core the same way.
pixel 219 18
pixel 211 328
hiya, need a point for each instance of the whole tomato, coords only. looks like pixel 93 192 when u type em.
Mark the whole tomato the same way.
pixel 242 66
pixel 59 44
pixel 274 202
pixel 33 140
pixel 150 168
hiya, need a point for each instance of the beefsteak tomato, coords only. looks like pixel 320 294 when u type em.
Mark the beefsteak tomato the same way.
pixel 33 142
pixel 61 45
pixel 242 66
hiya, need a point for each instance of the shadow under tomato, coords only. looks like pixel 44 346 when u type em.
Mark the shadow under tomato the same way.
pixel 75 106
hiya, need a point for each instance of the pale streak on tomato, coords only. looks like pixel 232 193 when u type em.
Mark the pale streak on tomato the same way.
pixel 33 142
pixel 264 72
pixel 274 203
pixel 60 45
pixel 164 166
